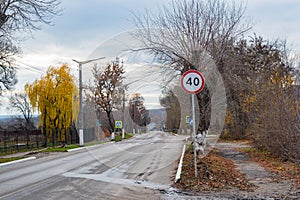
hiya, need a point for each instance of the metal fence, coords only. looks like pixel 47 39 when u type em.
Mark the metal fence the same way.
pixel 16 140
pixel 89 134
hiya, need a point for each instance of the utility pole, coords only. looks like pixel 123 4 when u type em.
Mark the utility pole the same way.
pixel 123 113
pixel 81 126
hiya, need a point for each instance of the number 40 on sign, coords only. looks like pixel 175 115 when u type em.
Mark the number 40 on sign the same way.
pixel 192 82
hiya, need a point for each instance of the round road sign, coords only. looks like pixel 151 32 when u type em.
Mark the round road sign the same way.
pixel 192 82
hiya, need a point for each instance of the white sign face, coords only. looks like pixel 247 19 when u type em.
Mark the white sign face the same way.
pixel 192 82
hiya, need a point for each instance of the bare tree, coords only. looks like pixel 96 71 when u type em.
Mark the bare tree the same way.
pixel 185 32
pixel 258 77
pixel 21 105
pixel 138 112
pixel 170 102
pixel 17 17
pixel 106 91
pixel 188 26
pixel 7 69
pixel 25 15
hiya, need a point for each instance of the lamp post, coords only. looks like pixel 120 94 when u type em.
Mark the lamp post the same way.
pixel 80 63
pixel 123 109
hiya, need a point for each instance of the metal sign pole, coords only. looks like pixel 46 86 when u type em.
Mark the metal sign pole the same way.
pixel 192 82
pixel 194 134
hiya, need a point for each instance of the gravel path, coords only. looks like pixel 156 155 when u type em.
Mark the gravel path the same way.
pixel 267 188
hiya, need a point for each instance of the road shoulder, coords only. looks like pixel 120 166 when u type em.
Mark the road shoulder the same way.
pixel 263 183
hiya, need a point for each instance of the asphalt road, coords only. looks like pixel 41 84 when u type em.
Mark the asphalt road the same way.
pixel 138 168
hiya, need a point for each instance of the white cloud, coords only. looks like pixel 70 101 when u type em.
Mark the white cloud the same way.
pixel 85 24
pixel 276 19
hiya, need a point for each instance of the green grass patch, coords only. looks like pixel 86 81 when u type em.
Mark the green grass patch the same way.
pixel 118 138
pixel 189 147
pixel 4 160
pixel 93 143
pixel 61 149
pixel 255 151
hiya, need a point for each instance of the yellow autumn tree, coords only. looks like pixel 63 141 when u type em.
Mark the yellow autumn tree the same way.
pixel 55 97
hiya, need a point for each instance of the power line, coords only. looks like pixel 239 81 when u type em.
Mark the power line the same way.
pixel 30 67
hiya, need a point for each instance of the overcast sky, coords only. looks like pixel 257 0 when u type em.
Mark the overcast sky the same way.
pixel 84 25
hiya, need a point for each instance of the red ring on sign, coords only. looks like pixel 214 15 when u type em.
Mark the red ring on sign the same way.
pixel 189 72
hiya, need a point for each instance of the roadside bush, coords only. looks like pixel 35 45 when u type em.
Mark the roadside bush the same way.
pixel 118 138
pixel 277 123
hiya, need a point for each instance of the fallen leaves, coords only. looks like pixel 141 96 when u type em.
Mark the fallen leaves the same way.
pixel 214 174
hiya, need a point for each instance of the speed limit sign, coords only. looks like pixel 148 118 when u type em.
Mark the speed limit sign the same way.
pixel 192 82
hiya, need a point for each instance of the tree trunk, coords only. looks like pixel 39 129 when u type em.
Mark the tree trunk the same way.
pixel 110 121
pixel 44 128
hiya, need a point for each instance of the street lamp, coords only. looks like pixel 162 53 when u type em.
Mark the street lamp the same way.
pixel 123 110
pixel 80 63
